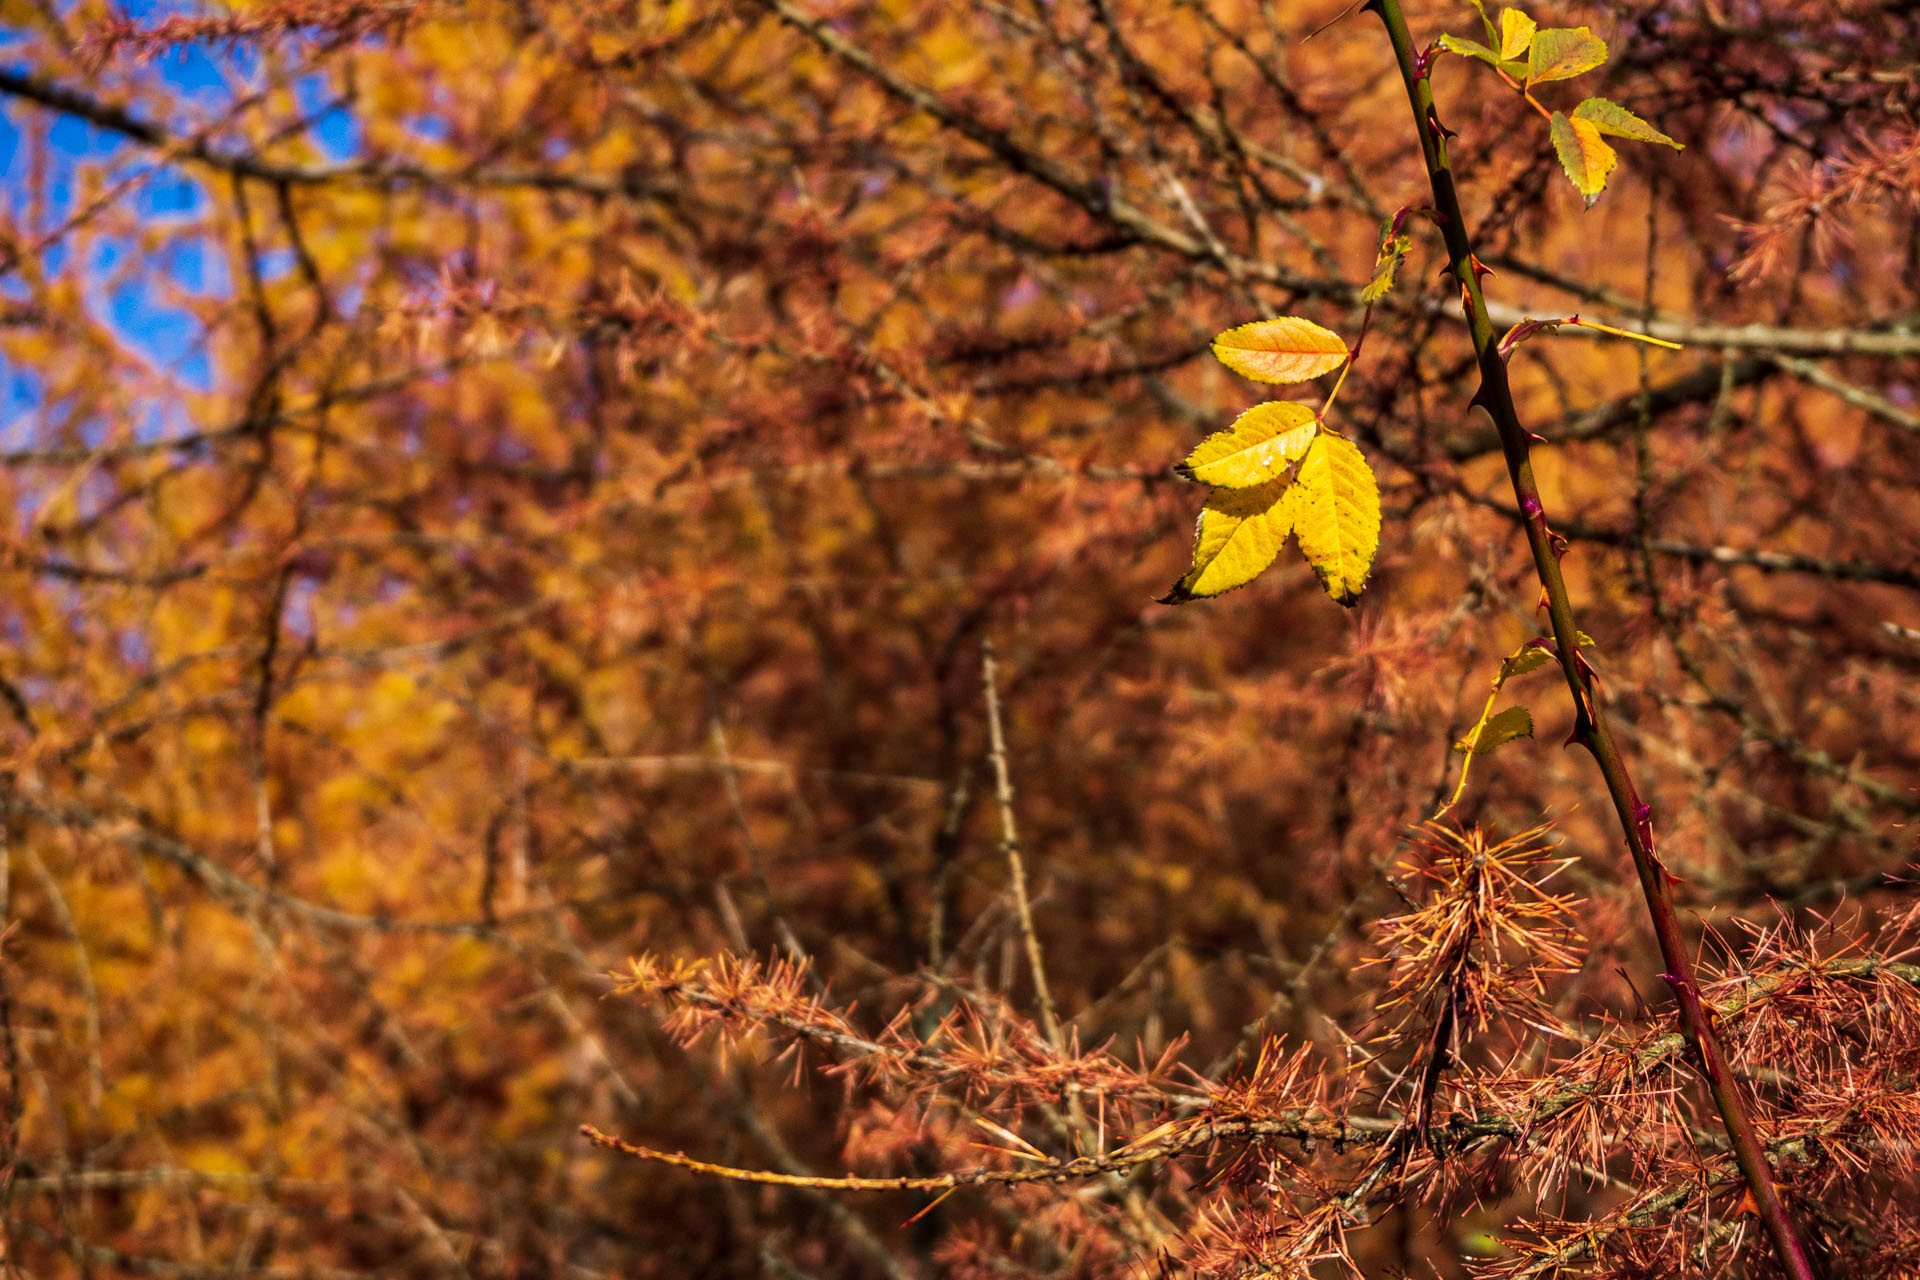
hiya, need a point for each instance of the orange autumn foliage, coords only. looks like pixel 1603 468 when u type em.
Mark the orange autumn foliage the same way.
pixel 494 644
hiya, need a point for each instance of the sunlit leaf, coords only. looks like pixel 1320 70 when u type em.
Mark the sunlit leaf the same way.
pixel 1497 730
pixel 1516 33
pixel 1561 53
pixel 1614 119
pixel 1583 154
pixel 1285 349
pixel 1258 447
pixel 1237 536
pixel 1338 520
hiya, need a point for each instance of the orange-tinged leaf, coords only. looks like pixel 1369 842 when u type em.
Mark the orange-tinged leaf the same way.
pixel 1258 447
pixel 1516 33
pixel 1237 536
pixel 1338 520
pixel 1561 53
pixel 1583 154
pixel 1614 119
pixel 1285 349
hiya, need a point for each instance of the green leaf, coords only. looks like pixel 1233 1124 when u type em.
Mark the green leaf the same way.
pixel 1493 33
pixel 1561 53
pixel 1237 536
pixel 1516 33
pixel 1284 349
pixel 1394 244
pixel 1338 519
pixel 1531 657
pixel 1497 730
pixel 1583 154
pixel 1474 49
pixel 1614 119
pixel 1258 447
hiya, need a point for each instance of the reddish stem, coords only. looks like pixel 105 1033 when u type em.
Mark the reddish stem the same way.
pixel 1590 727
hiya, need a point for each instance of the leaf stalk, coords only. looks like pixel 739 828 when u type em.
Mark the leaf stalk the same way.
pixel 1353 356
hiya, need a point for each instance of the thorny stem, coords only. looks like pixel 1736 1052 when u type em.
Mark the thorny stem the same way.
pixel 1590 728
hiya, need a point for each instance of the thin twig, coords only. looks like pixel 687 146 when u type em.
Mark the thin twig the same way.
pixel 1010 845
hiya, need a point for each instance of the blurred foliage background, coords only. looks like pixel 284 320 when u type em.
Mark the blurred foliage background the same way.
pixel 492 489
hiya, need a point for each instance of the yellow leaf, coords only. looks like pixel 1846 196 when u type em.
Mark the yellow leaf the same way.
pixel 1584 154
pixel 1561 53
pixel 1516 33
pixel 1238 534
pixel 1338 520
pixel 1286 349
pixel 1258 447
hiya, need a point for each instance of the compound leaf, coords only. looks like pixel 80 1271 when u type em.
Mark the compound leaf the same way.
pixel 1237 536
pixel 1614 119
pixel 1583 154
pixel 1561 53
pixel 1258 447
pixel 1497 730
pixel 1338 520
pixel 1516 33
pixel 1285 349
